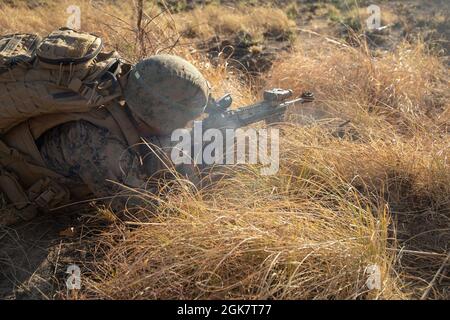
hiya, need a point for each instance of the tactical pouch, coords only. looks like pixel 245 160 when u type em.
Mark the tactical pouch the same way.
pixel 12 189
pixel 15 207
pixel 64 72
pixel 68 47
pixel 17 49
pixel 47 193
pixel 25 183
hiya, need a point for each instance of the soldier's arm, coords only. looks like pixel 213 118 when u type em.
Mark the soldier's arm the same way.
pixel 92 156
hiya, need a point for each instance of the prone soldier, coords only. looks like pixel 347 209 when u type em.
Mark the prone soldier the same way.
pixel 74 117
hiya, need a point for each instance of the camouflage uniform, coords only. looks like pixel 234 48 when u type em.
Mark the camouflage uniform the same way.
pixel 91 156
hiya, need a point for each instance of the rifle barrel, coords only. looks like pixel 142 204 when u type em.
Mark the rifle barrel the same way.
pixel 250 114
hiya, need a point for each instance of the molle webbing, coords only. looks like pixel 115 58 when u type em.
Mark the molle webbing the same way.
pixel 26 183
pixel 46 82
pixel 17 49
pixel 65 72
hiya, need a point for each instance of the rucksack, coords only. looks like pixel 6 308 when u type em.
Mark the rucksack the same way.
pixel 63 72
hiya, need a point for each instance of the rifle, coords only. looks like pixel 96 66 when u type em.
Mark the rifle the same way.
pixel 272 108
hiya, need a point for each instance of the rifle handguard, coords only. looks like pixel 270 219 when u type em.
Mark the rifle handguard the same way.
pixel 277 95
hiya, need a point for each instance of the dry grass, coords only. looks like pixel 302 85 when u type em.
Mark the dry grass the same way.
pixel 258 22
pixel 397 143
pixel 377 194
pixel 357 16
pixel 304 233
pixel 116 23
pixel 407 88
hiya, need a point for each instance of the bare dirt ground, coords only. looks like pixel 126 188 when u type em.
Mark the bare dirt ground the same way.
pixel 34 255
pixel 29 257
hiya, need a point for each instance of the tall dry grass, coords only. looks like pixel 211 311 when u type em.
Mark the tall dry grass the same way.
pixel 304 233
pixel 258 22
pixel 378 194
pixel 407 88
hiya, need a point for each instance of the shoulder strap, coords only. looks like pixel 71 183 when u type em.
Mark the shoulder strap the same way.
pixel 126 126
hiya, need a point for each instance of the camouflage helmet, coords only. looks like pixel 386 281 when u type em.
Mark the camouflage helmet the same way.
pixel 166 92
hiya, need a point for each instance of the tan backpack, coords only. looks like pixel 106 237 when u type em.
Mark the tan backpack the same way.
pixel 65 72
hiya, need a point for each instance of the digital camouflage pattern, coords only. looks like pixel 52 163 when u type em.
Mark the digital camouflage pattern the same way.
pixel 95 158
